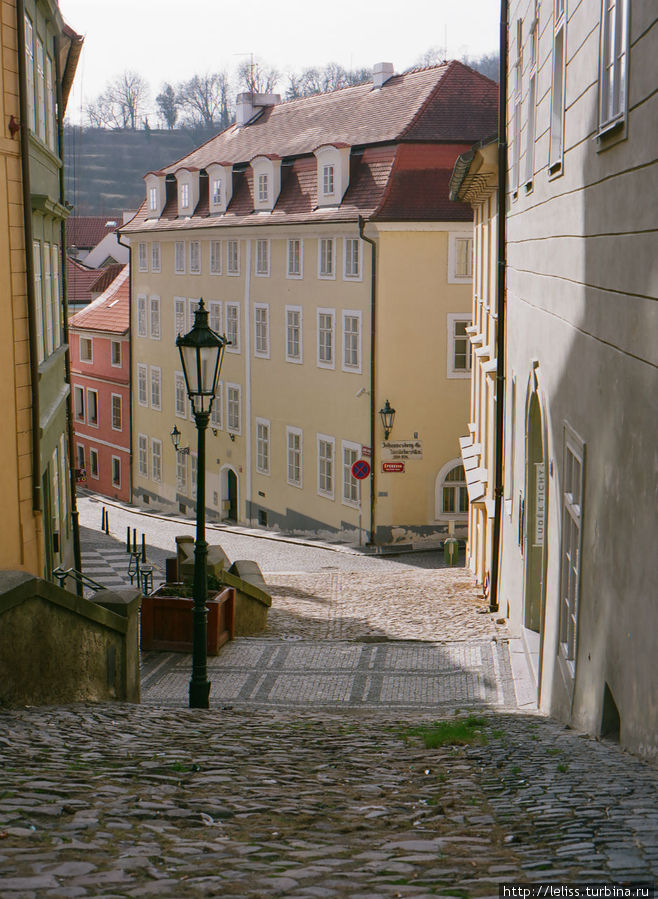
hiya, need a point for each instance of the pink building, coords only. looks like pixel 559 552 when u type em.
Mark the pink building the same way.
pixel 100 381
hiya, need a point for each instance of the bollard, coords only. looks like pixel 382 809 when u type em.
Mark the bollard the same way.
pixel 128 539
pixel 451 550
pixel 107 522
pixel 143 547
pixel 134 540
pixel 102 518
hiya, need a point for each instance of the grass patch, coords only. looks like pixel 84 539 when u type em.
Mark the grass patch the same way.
pixel 459 732
pixel 562 768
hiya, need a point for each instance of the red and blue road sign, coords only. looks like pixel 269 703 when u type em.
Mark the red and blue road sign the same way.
pixel 360 469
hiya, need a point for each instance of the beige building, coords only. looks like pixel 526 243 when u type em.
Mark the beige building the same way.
pixel 39 57
pixel 578 518
pixel 320 235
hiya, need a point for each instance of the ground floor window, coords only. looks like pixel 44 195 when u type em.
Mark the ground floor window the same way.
pixel 454 493
pixel 572 498
pixel 116 471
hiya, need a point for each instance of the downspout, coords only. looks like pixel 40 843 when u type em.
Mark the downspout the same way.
pixel 37 499
pixel 500 336
pixel 373 295
pixel 77 551
pixel 130 357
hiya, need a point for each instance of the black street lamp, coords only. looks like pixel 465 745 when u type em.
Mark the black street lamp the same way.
pixel 201 352
pixel 388 415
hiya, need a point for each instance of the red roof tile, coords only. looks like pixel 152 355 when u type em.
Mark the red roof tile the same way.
pixel 106 275
pixel 87 231
pixel 110 311
pixel 79 279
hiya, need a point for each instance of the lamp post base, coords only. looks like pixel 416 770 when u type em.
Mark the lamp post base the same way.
pixel 200 695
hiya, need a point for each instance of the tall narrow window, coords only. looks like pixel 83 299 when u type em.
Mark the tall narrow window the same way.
pixel 195 257
pixel 181 472
pixel 464 257
pixel 142 389
pixel 216 417
pixel 352 341
pixel 233 408
pixel 79 403
pixel 454 492
pixel 194 468
pixel 179 257
pixel 86 349
pixel 263 189
pixel 156 460
pixel 557 92
pixel 532 101
pixel 155 318
pixel 50 105
pixel 142 261
pixel 180 397
pixel 47 299
pixel 29 72
pixel 262 446
pixel 142 455
pixel 153 199
pixel 518 73
pixel 262 257
pixel 156 393
pixel 215 257
pixel 179 315
pixel 294 258
pixel 352 266
pixel 326 260
pixel 57 299
pixel 41 91
pixel 93 463
pixel 185 196
pixel 328 180
pixel 116 471
pixel 326 466
pixel 614 50
pixel 192 307
pixel 293 333
pixel 116 412
pixel 141 316
pixel 459 347
pixel 326 331
pixel 572 502
pixel 261 330
pixel 294 446
pixel 233 327
pixel 351 487
pixel 155 256
pixel 233 257
pixel 217 192
pixel 215 317
pixel 92 407
pixel 38 295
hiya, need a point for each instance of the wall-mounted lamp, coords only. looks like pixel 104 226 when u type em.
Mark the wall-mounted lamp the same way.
pixel 14 127
pixel 232 438
pixel 388 417
pixel 175 439
pixel 214 432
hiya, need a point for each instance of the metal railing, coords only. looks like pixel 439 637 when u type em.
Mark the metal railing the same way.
pixel 84 580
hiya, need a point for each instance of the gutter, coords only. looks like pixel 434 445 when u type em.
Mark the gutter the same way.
pixel 37 498
pixel 130 356
pixel 501 287
pixel 75 521
pixel 373 295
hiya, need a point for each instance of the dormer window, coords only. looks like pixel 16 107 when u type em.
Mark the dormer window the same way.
pixel 328 180
pixel 263 191
pixel 217 192
pixel 153 199
pixel 155 194
pixel 185 196
pixel 220 179
pixel 333 173
pixel 188 190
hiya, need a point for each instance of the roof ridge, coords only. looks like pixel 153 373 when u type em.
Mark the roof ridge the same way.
pixel 421 109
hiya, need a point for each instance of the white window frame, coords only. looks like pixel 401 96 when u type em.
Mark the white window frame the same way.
pixel 56 296
pixel 156 383
pixel 92 392
pixel 453 237
pixel 195 257
pixel 192 306
pixel 531 122
pixel 116 461
pixel 180 395
pixel 153 199
pixel 142 258
pixel 613 73
pixel 217 411
pixel 293 257
pixel 156 460
pixel 156 259
pixel 324 243
pixel 216 192
pixel 117 396
pixel 41 90
pixel 181 473
pixel 233 257
pixel 113 345
pixel 47 298
pixel 263 445
pixel 558 85
pixel 349 482
pixel 348 256
pixel 179 257
pixel 440 483
pixel 233 388
pixel 81 460
pixel 141 315
pixel 356 368
pixel 79 407
pixel 94 469
pixel 234 346
pixel 29 71
pixel 263 188
pixel 320 362
pixel 570 576
pixel 262 267
pixel 453 319
pixel 328 441
pixel 184 195
pixel 142 384
pixel 328 180
pixel 142 455
pixel 295 432
pixel 155 329
pixel 194 472
pixel 180 315
pixel 299 358
pixel 215 257
pixel 215 316
pixel 50 105
pixel 87 341
pixel 262 330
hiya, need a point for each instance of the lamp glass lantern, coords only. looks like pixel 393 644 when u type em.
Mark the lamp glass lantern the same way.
pixel 201 352
pixel 388 417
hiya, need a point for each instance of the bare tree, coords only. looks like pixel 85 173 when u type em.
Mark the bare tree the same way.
pixel 257 77
pixel 488 64
pixel 319 81
pixel 121 104
pixel 205 99
pixel 168 103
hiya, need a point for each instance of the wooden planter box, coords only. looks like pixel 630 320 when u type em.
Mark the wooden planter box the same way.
pixel 167 622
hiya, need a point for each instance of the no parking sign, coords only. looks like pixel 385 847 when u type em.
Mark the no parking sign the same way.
pixel 360 469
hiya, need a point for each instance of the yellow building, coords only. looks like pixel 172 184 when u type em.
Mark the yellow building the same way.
pixel 320 235
pixel 36 530
pixel 475 181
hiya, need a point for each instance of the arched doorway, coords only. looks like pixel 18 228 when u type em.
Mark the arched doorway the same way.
pixel 535 534
pixel 229 488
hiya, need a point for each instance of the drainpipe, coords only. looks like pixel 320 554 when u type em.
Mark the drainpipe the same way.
pixel 130 358
pixel 500 337
pixel 37 499
pixel 77 552
pixel 373 295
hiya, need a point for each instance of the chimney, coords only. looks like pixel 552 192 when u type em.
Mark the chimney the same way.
pixel 381 72
pixel 247 105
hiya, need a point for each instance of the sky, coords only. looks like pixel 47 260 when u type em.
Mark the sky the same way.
pixel 172 40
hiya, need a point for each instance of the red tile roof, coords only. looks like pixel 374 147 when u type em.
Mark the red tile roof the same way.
pixel 110 311
pixel 79 279
pixel 106 275
pixel 87 231
pixel 449 105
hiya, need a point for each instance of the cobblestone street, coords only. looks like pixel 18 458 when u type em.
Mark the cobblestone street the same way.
pixel 377 740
